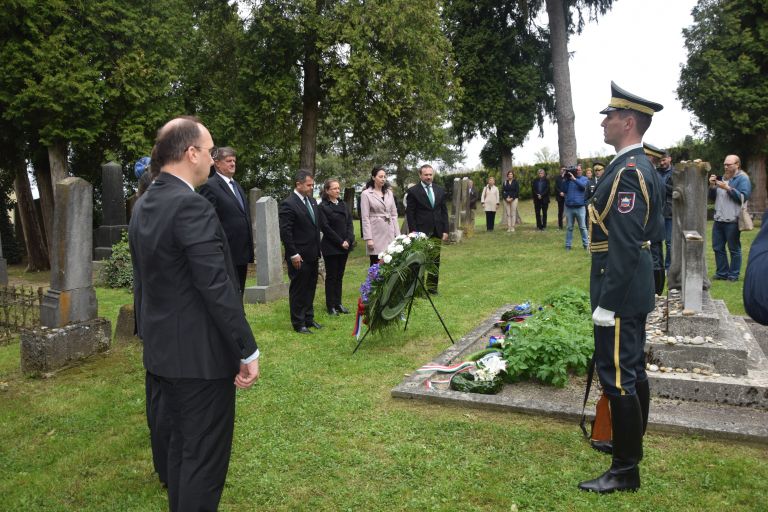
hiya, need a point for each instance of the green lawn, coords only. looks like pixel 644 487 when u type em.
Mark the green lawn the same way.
pixel 320 431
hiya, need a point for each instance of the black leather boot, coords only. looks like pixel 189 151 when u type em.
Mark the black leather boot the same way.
pixel 627 425
pixel 658 281
pixel 644 396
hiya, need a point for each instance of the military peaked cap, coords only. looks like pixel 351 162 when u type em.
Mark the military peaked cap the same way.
pixel 652 150
pixel 623 100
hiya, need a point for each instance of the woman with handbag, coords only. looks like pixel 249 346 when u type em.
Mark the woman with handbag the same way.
pixel 730 193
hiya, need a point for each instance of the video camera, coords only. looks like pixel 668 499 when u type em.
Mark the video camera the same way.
pixel 571 169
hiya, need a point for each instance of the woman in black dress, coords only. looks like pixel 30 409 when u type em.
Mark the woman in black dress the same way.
pixel 338 220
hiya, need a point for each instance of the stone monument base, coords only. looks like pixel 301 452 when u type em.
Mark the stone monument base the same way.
pixel 45 350
pixel 265 294
pixel 61 307
pixel 104 238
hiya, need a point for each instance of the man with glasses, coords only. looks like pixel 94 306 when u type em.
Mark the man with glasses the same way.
pixel 729 193
pixel 198 346
pixel 231 204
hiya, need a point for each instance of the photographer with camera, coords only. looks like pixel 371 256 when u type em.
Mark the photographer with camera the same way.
pixel 575 186
pixel 729 192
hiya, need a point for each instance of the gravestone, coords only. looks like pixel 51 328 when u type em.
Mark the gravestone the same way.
pixel 113 211
pixel 689 213
pixel 269 270
pixel 454 222
pixel 253 196
pixel 3 267
pixel 468 214
pixel 70 329
pixel 694 271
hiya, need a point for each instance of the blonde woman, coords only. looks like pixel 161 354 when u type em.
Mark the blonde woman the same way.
pixel 490 200
pixel 510 191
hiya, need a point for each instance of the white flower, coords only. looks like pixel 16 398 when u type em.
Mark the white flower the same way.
pixel 391 248
pixel 406 241
pixel 495 364
pixel 387 258
pixel 413 234
pixel 422 236
pixel 381 254
pixel 483 374
pixel 397 249
pixel 400 237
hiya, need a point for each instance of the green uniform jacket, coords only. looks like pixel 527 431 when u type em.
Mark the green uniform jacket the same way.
pixel 621 279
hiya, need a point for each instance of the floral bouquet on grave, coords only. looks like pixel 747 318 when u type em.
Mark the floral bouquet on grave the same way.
pixel 393 281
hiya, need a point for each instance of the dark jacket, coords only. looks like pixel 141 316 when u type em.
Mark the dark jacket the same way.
pixel 422 216
pixel 755 292
pixel 235 219
pixel 188 309
pixel 298 232
pixel 337 228
pixel 540 187
pixel 560 187
pixel 510 189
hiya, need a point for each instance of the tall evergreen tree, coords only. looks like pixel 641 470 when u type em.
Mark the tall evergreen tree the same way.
pixel 724 81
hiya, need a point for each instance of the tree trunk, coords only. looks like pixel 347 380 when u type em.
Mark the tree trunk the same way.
pixel 558 39
pixel 310 116
pixel 37 252
pixel 756 171
pixel 506 166
pixel 42 169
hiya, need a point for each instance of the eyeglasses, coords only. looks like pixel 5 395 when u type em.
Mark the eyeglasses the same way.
pixel 214 151
pixel 726 164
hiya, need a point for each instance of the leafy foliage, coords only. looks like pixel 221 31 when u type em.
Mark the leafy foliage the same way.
pixel 117 271
pixel 553 341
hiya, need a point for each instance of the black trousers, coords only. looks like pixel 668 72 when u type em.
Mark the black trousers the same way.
pixel 373 259
pixel 242 271
pixel 541 208
pixel 301 293
pixel 560 211
pixel 490 218
pixel 202 420
pixel 334 277
pixel 623 343
pixel 159 426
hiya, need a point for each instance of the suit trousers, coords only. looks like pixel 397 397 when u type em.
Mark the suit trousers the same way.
pixel 335 265
pixel 202 421
pixel 159 426
pixel 242 272
pixel 432 277
pixel 540 207
pixel 622 343
pixel 301 293
pixel 490 218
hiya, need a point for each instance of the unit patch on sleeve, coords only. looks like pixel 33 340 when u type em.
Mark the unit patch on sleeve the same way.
pixel 626 202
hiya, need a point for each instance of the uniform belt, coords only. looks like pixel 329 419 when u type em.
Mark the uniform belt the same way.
pixel 603 246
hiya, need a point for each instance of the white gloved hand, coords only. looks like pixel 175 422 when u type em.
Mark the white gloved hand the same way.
pixel 603 318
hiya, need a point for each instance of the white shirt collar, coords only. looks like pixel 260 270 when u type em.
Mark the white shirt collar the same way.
pixel 300 196
pixel 626 149
pixel 226 180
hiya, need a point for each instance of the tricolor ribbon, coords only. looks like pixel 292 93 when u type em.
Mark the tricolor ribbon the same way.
pixel 359 318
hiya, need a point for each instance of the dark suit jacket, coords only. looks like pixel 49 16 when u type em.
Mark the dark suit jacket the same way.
pixel 187 305
pixel 235 220
pixel 540 186
pixel 297 231
pixel 337 228
pixel 421 216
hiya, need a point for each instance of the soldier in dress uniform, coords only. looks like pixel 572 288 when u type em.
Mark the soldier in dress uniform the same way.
pixel 625 215
pixel 655 155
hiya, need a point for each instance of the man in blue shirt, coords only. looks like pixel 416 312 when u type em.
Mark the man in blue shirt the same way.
pixel 575 188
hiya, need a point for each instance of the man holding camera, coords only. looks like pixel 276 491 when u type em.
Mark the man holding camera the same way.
pixel 729 192
pixel 575 189
pixel 625 214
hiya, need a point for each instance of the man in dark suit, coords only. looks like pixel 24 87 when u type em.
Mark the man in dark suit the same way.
pixel 300 222
pixel 231 204
pixel 427 213
pixel 198 346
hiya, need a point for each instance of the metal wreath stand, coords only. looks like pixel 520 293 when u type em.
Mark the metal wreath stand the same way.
pixel 415 267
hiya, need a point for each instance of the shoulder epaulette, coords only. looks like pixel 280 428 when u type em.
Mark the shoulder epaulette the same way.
pixel 631 163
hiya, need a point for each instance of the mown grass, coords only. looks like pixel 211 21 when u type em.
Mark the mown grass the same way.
pixel 320 431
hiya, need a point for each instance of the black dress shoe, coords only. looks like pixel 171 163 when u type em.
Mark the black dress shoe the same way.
pixel 342 309
pixel 303 330
pixel 333 312
pixel 314 324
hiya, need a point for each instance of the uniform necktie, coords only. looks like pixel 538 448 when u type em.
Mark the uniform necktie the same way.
pixel 237 194
pixel 311 211
pixel 430 196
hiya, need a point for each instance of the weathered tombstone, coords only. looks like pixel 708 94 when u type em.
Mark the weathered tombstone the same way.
pixel 70 329
pixel 694 271
pixel 3 267
pixel 126 324
pixel 454 222
pixel 253 197
pixel 113 211
pixel 467 214
pixel 269 271
pixel 689 213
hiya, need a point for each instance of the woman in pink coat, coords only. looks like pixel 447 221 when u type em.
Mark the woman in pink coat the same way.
pixel 378 213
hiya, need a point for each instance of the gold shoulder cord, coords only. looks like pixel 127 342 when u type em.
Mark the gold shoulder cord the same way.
pixel 599 219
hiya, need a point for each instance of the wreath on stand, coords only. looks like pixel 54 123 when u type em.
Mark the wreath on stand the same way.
pixel 394 281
